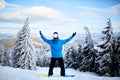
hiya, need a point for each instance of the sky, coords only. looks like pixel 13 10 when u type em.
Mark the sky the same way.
pixel 63 16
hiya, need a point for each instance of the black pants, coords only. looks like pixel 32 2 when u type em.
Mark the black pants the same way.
pixel 61 64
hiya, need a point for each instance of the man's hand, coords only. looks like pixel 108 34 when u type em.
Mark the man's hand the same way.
pixel 74 34
pixel 40 32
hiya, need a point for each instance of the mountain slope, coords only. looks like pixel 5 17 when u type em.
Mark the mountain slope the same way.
pixel 9 42
pixel 4 36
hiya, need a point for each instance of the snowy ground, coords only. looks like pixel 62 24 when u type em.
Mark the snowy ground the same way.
pixel 9 73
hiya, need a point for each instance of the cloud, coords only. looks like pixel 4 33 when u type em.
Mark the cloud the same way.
pixel 98 12
pixel 89 11
pixel 63 21
pixel 42 13
pixel 12 5
pixel 11 17
pixel 34 13
pixel 90 14
pixel 116 27
pixel 114 9
pixel 2 4
pixel 88 8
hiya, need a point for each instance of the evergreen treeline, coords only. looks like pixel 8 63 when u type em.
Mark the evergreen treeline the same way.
pixel 105 60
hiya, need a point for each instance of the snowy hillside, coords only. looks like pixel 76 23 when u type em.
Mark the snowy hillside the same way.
pixel 9 73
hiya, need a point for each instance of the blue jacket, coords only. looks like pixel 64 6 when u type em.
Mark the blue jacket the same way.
pixel 56 46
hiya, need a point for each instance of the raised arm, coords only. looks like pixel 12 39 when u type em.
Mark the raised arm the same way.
pixel 70 38
pixel 43 37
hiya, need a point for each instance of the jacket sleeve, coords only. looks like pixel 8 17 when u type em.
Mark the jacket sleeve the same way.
pixel 44 39
pixel 67 40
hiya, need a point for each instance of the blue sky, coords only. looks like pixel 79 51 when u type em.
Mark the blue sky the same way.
pixel 64 16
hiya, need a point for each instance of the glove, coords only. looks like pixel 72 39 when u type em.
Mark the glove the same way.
pixel 40 32
pixel 74 34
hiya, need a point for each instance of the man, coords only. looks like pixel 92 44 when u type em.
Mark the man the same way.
pixel 56 51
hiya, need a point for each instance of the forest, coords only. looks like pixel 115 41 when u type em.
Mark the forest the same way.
pixel 103 58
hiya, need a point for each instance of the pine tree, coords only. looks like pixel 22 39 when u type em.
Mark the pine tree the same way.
pixel 67 58
pixel 79 56
pixel 7 57
pixel 118 51
pixel 9 53
pixel 88 53
pixel 23 52
pixel 116 58
pixel 104 55
pixel 70 58
pixel 43 58
pixel 2 55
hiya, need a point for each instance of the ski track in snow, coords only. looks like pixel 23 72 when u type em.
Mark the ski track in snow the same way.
pixel 9 73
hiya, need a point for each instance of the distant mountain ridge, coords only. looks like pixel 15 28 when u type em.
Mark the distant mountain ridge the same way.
pixel 4 36
pixel 8 40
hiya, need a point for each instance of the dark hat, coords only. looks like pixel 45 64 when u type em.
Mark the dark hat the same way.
pixel 55 33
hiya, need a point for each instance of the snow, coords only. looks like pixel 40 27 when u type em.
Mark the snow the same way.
pixel 9 73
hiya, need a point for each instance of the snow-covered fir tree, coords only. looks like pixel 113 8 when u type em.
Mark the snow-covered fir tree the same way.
pixel 88 53
pixel 118 51
pixel 116 57
pixel 88 39
pixel 7 57
pixel 4 56
pixel 78 57
pixel 2 50
pixel 23 52
pixel 104 55
pixel 43 57
pixel 9 53
pixel 70 58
